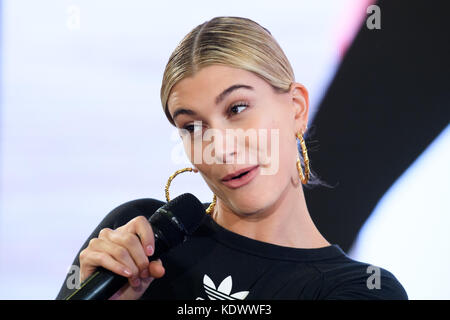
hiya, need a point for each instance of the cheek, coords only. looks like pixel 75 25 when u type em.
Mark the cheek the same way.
pixel 275 143
pixel 195 155
pixel 278 154
pixel 193 150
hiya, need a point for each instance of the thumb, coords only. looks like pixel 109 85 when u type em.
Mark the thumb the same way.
pixel 128 292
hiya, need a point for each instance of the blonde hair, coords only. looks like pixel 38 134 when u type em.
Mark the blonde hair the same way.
pixel 232 41
pixel 235 42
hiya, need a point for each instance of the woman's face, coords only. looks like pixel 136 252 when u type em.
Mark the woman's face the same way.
pixel 252 126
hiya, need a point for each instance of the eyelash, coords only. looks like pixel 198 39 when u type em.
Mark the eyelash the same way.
pixel 190 127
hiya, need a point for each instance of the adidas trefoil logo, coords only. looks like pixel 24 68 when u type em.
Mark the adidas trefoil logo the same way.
pixel 223 292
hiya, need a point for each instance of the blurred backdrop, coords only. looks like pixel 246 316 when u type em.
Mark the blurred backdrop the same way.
pixel 82 130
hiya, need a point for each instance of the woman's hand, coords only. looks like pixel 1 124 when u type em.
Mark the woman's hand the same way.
pixel 124 251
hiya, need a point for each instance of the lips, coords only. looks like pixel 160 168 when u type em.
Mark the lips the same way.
pixel 241 178
pixel 237 173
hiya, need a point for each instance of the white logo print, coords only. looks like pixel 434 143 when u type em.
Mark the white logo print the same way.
pixel 223 291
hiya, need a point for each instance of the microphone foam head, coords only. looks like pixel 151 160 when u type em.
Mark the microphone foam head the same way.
pixel 188 210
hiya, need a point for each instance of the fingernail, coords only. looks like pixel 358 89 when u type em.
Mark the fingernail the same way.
pixel 149 250
pixel 127 272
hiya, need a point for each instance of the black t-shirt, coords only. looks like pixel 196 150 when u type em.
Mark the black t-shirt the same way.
pixel 215 263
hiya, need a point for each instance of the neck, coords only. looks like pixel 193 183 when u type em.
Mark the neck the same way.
pixel 286 222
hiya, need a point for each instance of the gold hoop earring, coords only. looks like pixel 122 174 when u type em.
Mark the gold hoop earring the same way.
pixel 166 189
pixel 212 205
pixel 303 177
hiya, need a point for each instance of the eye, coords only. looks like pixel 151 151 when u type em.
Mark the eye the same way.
pixel 235 109
pixel 193 127
pixel 189 127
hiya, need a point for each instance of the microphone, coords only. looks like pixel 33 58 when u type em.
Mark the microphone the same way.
pixel 171 224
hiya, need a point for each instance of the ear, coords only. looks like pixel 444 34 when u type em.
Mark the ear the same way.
pixel 300 103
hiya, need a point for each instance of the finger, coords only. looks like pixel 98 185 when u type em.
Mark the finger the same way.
pixel 143 229
pixel 156 269
pixel 132 293
pixel 116 251
pixel 104 233
pixel 132 243
pixel 102 259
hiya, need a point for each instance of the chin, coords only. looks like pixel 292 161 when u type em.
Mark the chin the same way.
pixel 252 204
pixel 255 198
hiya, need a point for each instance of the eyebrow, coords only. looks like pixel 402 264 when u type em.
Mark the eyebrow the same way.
pixel 218 100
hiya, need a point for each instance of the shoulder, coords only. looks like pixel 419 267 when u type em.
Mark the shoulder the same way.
pixel 126 211
pixel 352 279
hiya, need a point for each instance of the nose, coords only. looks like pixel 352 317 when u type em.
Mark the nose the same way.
pixel 225 148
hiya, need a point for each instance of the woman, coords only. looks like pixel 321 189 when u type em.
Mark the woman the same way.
pixel 229 76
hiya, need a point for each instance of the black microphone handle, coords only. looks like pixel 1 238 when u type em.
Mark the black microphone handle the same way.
pixel 103 283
